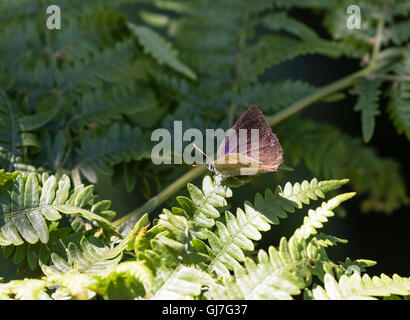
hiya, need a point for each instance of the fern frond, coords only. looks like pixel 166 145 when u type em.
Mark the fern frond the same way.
pixel 361 287
pixel 27 289
pixel 273 97
pixel 315 218
pixel 162 258
pixel 271 50
pixel 127 281
pixel 227 242
pixel 91 256
pixel 121 143
pixel 104 106
pixel 398 106
pixel 185 283
pixel 160 49
pixel 317 145
pixel 26 207
pixel 284 271
pixel 281 21
pixel 367 103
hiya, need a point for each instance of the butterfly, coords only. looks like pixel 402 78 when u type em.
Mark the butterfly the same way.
pixel 250 147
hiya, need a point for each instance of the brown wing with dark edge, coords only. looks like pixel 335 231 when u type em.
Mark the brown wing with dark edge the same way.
pixel 270 151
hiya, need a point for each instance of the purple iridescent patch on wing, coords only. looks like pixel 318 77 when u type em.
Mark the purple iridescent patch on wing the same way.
pixel 226 148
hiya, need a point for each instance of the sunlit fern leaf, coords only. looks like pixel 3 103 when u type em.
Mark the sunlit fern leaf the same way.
pixel 240 231
pixel 6 176
pixel 127 281
pixel 160 49
pixel 227 244
pixel 201 207
pixel 184 284
pixel 85 257
pixel 315 218
pixel 70 285
pixel 91 256
pixel 277 275
pixel 27 289
pixel 26 207
pixel 361 287
pixel 161 260
pixel 229 240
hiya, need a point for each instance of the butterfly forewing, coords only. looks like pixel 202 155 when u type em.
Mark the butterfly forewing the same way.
pixel 252 137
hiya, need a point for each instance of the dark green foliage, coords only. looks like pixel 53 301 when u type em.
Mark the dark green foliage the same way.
pixel 82 102
pixel 309 142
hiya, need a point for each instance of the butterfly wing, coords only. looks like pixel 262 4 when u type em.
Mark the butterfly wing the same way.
pixel 235 164
pixel 268 149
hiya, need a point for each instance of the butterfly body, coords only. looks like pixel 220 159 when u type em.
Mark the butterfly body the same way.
pixel 249 148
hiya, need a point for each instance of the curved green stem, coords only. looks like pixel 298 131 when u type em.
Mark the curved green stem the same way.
pixel 161 197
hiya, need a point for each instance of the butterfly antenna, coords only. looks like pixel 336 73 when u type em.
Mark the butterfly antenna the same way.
pixel 196 147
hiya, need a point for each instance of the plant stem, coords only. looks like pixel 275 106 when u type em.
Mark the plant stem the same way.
pixel 272 120
pixel 379 35
pixel 161 197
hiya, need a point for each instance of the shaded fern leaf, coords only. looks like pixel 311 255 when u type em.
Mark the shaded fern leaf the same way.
pixel 316 145
pixel 103 106
pixel 271 50
pixel 398 106
pixel 121 143
pixel 160 49
pixel 367 103
pixel 281 21
pixel 273 97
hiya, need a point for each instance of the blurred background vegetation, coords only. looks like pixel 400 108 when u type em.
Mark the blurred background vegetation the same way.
pixel 143 64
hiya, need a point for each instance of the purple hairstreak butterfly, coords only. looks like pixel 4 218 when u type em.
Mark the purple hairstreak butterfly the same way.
pixel 249 147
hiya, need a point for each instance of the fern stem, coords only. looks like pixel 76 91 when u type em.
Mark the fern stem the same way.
pixel 322 93
pixel 379 35
pixel 161 197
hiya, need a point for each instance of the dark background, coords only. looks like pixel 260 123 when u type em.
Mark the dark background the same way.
pixel 382 237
